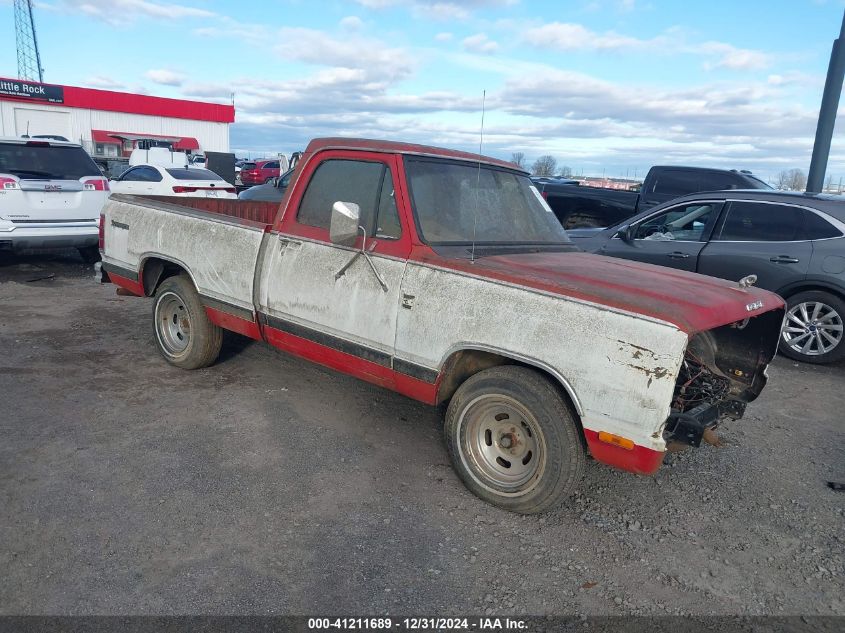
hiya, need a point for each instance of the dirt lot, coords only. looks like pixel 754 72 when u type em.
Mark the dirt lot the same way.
pixel 267 485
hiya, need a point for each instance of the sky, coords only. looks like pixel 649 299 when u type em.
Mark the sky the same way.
pixel 605 86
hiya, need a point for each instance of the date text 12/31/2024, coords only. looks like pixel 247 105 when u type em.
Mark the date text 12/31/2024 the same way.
pixel 417 624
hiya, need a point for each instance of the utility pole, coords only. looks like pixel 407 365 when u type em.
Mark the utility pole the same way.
pixel 827 113
pixel 29 59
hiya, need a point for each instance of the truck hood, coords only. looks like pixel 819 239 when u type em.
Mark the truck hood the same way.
pixel 690 301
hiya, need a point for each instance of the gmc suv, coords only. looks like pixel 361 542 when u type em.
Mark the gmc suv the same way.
pixel 51 195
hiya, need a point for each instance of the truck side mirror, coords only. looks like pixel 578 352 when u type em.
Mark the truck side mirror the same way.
pixel 343 229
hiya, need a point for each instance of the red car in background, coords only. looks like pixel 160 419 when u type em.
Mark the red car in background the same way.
pixel 259 172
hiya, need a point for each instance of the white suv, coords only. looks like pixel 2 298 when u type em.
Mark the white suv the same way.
pixel 51 196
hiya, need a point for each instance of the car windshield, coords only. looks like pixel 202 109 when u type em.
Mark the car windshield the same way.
pixel 36 161
pixel 248 166
pixel 465 203
pixel 193 174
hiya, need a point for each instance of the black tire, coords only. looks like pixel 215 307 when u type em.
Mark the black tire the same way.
pixel 89 254
pixel 829 323
pixel 184 335
pixel 532 416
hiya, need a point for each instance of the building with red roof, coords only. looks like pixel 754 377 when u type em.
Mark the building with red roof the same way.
pixel 111 124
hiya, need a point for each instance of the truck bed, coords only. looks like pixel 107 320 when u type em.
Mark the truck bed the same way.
pixel 257 211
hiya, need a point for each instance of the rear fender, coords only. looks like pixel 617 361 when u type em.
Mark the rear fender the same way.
pixel 156 268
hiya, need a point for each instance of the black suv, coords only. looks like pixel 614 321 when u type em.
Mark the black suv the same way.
pixel 793 242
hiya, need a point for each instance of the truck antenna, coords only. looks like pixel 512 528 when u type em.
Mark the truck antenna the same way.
pixel 478 177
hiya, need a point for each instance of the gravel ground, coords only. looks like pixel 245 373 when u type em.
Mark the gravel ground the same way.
pixel 267 485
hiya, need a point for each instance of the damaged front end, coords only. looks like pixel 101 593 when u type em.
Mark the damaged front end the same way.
pixel 723 370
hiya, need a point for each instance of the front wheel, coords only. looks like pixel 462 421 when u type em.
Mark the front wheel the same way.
pixel 513 439
pixel 185 335
pixel 813 328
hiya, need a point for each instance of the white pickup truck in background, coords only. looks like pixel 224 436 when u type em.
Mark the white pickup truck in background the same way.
pixel 445 276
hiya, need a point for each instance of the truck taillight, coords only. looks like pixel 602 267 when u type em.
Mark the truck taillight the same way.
pixel 8 182
pixel 95 184
pixel 102 232
pixel 182 189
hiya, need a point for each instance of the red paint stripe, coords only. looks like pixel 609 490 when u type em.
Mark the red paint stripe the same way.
pixel 639 460
pixel 352 365
pixel 414 388
pixel 135 287
pixel 341 361
pixel 234 323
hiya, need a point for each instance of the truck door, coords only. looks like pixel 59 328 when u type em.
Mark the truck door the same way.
pixel 761 238
pixel 672 237
pixel 312 301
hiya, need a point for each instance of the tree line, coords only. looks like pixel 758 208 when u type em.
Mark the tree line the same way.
pixel 543 166
pixel 792 179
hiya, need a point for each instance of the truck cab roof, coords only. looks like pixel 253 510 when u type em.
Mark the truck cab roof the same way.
pixel 394 147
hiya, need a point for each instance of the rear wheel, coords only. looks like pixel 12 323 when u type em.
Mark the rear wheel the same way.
pixel 813 329
pixel 513 439
pixel 185 335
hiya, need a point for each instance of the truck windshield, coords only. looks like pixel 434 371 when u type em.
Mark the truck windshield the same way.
pixel 462 203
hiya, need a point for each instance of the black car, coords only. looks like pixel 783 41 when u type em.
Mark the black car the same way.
pixel 794 243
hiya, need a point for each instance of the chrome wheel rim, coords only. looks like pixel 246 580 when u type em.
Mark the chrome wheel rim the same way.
pixel 501 445
pixel 173 324
pixel 812 328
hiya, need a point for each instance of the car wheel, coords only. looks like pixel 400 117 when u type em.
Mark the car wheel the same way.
pixel 813 328
pixel 513 439
pixel 269 181
pixel 185 335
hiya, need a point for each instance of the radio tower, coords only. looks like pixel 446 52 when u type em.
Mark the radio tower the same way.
pixel 29 59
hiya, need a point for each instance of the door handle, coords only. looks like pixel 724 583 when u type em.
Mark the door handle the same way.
pixel 784 259
pixel 677 255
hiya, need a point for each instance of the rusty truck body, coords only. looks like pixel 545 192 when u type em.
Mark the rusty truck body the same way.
pixel 444 276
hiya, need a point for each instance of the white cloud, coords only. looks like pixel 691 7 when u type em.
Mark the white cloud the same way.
pixel 231 28
pixel 480 43
pixel 378 4
pixel 443 37
pixel 104 83
pixel 795 78
pixel 352 23
pixel 122 12
pixel 733 58
pixel 378 62
pixel 441 10
pixel 568 36
pixel 165 77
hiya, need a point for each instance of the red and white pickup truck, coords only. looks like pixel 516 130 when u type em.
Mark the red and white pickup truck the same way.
pixel 444 276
